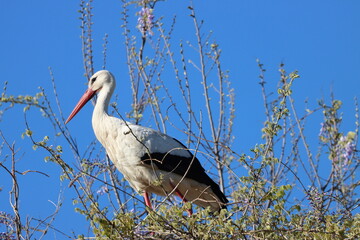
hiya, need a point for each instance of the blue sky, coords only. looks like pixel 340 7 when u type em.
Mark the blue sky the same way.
pixel 320 39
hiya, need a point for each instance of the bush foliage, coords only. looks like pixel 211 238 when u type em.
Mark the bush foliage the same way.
pixel 282 191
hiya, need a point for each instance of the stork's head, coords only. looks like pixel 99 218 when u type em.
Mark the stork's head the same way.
pixel 101 79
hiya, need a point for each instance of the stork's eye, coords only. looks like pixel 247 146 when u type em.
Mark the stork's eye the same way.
pixel 93 80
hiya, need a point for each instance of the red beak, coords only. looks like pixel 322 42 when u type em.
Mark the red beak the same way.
pixel 83 100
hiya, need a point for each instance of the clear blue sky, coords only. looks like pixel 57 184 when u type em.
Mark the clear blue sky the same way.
pixel 320 39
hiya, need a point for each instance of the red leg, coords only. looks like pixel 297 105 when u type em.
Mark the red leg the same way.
pixel 148 204
pixel 147 200
pixel 190 212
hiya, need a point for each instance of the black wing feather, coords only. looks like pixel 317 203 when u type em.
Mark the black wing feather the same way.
pixel 189 167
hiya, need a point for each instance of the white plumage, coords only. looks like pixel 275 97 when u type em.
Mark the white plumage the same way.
pixel 150 160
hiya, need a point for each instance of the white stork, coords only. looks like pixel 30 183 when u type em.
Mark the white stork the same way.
pixel 150 161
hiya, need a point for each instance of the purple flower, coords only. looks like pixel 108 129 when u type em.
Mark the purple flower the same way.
pixel 145 21
pixel 322 129
pixel 6 236
pixel 141 232
pixel 316 199
pixel 348 151
pixel 345 148
pixel 104 189
pixel 6 218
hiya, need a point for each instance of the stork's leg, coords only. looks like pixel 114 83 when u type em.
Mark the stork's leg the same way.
pixel 190 212
pixel 147 200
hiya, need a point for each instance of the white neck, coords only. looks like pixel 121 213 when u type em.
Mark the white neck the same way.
pixel 102 104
